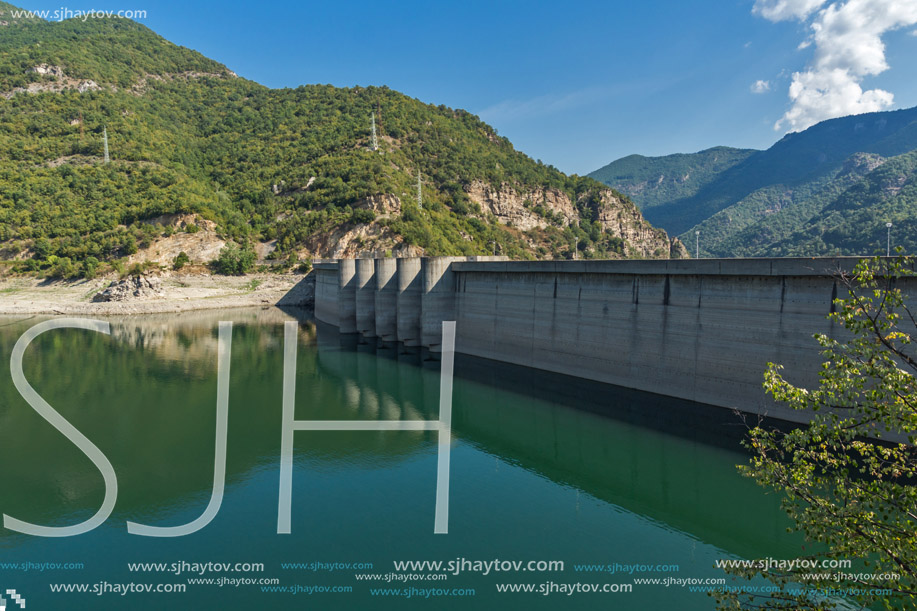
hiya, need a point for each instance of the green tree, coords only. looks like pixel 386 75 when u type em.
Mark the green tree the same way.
pixel 181 260
pixel 362 216
pixel 305 267
pixel 850 476
pixel 62 267
pixel 235 260
pixel 90 267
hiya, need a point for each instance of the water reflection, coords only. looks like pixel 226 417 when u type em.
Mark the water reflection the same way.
pixel 543 466
pixel 663 458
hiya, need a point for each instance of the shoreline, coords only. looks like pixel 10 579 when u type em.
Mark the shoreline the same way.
pixel 176 293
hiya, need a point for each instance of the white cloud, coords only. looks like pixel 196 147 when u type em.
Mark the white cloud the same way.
pixel 847 37
pixel 760 86
pixel 818 95
pixel 785 10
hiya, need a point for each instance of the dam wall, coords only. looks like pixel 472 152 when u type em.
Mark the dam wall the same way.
pixel 327 291
pixel 702 330
pixel 365 297
pixel 408 282
pixel 404 300
pixel 385 301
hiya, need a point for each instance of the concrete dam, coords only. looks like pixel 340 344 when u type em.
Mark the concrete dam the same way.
pixel 702 330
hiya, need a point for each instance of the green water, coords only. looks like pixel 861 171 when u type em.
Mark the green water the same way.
pixel 543 468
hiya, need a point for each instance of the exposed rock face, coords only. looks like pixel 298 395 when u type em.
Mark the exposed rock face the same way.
pixel 46 69
pixel 363 241
pixel 383 205
pixel 515 208
pixel 677 250
pixel 135 287
pixel 201 246
pixel 85 86
pixel 624 220
pixel 59 82
pixel 140 86
pixel 619 217
pixel 862 164
pixel 182 221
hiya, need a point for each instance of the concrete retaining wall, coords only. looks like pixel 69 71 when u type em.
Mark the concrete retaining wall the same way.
pixel 408 281
pixel 701 330
pixel 437 299
pixel 386 299
pixel 327 292
pixel 347 296
pixel 365 297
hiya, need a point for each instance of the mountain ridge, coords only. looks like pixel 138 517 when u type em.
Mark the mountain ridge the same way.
pixel 655 180
pixel 770 194
pixel 280 167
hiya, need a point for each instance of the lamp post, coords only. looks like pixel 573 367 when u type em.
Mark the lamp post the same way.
pixel 888 244
pixel 697 244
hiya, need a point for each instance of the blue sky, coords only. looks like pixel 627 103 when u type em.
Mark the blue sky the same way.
pixel 578 83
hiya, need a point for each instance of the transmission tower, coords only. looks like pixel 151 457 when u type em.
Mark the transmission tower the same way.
pixel 419 191
pixel 105 140
pixel 375 138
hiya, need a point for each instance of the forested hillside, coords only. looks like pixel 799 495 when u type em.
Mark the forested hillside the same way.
pixel 654 181
pixel 855 220
pixel 763 203
pixel 293 168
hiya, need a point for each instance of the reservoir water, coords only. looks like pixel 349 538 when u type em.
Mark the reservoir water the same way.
pixel 543 468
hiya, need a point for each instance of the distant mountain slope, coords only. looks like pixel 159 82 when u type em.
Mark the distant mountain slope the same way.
pixel 854 221
pixel 772 213
pixel 290 169
pixel 652 181
pixel 750 206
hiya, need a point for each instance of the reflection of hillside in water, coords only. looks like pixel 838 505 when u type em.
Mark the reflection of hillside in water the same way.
pixel 191 337
pixel 132 395
pixel 669 460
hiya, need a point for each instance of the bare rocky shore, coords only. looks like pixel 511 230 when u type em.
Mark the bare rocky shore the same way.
pixel 168 292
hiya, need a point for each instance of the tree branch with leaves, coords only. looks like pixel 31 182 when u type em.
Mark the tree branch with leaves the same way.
pixel 849 478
